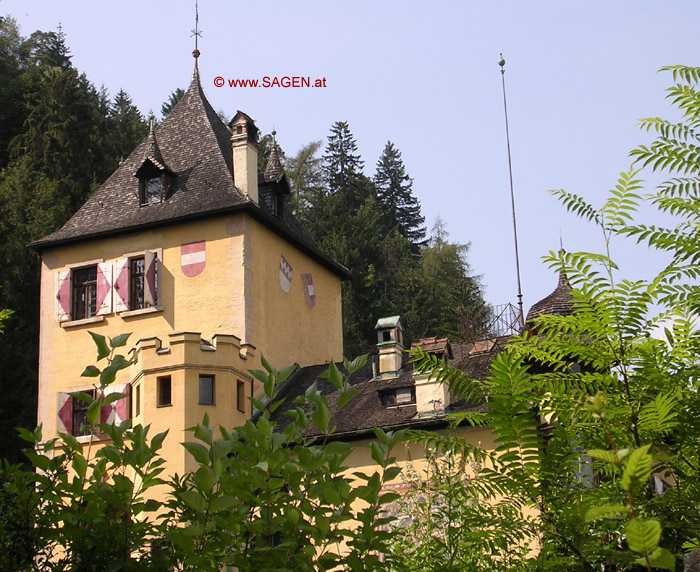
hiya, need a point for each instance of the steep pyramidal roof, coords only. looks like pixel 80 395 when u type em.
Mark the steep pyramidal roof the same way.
pixel 558 303
pixel 194 145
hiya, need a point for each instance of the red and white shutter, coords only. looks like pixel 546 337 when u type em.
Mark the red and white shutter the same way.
pixel 150 282
pixel 64 413
pixel 104 288
pixel 63 289
pixel 117 411
pixel 121 285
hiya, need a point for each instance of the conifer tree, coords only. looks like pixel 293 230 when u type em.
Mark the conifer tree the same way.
pixel 342 163
pixel 394 188
pixel 128 125
pixel 305 176
pixel 174 97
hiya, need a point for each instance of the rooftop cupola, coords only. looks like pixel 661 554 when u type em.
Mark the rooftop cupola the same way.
pixel 430 395
pixel 244 141
pixel 153 174
pixel 390 344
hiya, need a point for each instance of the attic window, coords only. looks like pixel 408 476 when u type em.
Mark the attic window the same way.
pixel 151 191
pixel 398 396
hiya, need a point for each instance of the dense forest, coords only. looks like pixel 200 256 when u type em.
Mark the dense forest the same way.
pixel 61 137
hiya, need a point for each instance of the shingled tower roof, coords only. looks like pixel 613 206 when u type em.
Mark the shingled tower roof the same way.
pixel 558 303
pixel 193 145
pixel 273 169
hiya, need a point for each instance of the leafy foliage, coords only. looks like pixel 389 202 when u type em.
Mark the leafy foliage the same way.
pixel 259 498
pixel 595 420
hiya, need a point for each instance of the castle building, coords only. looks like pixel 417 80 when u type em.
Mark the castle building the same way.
pixel 190 249
pixel 193 252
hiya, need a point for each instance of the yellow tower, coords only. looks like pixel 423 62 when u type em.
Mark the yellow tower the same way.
pixel 191 250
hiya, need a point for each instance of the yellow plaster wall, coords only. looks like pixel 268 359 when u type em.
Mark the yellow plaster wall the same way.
pixel 284 328
pixel 238 293
pixel 209 303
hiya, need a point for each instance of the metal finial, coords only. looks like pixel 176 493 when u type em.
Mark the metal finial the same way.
pixel 274 133
pixel 501 61
pixel 197 33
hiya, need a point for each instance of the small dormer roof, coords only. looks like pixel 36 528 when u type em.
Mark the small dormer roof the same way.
pixel 152 156
pixel 389 322
pixel 434 345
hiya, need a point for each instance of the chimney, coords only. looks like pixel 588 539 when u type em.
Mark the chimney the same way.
pixel 390 344
pixel 244 141
pixel 430 395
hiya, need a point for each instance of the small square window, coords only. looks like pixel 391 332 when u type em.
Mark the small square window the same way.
pixel 206 390
pixel 240 396
pixel 164 391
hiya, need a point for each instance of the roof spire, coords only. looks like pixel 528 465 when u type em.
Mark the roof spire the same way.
pixel 274 169
pixel 197 33
pixel 152 154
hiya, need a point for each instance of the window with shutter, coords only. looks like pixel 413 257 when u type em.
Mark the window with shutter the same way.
pixel 84 293
pixel 136 282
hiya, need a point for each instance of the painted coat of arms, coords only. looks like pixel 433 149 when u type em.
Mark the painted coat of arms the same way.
pixel 285 275
pixel 193 258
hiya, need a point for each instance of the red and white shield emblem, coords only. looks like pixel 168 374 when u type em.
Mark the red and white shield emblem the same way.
pixel 309 293
pixel 285 275
pixel 193 258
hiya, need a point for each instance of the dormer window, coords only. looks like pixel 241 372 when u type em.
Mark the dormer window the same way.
pixel 397 397
pixel 153 174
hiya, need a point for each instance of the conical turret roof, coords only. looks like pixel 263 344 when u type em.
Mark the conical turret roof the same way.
pixel 558 303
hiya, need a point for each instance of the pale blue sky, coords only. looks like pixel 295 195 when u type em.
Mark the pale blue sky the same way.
pixel 425 76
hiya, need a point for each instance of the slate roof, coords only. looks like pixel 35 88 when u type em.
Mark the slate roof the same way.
pixel 558 303
pixel 273 169
pixel 366 411
pixel 195 145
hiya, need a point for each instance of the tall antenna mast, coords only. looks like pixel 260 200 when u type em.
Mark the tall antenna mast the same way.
pixel 502 63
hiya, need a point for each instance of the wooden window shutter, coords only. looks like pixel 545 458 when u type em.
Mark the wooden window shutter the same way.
pixel 117 411
pixel 121 285
pixel 104 288
pixel 64 413
pixel 150 282
pixel 63 290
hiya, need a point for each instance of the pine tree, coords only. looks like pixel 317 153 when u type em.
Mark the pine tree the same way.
pixel 305 176
pixel 128 125
pixel 394 188
pixel 174 97
pixel 342 163
pixel 49 50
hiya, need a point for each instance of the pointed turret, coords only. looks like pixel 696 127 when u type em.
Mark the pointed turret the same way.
pixel 274 169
